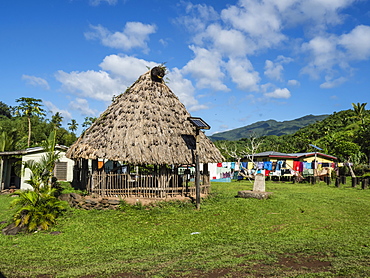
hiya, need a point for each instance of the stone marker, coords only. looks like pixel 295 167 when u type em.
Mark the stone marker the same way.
pixel 258 191
pixel 259 183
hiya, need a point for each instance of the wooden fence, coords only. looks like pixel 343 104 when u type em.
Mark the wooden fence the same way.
pixel 146 186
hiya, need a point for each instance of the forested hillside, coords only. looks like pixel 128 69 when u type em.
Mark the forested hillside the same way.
pixel 25 126
pixel 345 134
pixel 270 127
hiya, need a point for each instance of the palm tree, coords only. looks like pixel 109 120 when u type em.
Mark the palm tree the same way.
pixel 57 119
pixel 29 107
pixel 360 111
pixel 73 125
pixel 88 122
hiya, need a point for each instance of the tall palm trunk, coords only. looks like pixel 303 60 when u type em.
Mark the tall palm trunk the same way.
pixel 29 131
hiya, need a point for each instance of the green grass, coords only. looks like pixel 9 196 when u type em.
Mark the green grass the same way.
pixel 237 237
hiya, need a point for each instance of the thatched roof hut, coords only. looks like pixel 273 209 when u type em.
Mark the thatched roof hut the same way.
pixel 145 125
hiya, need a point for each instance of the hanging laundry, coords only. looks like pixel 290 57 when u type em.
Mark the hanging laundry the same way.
pixel 307 165
pixel 267 165
pixel 296 165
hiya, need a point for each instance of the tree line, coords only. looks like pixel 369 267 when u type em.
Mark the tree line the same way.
pixel 25 125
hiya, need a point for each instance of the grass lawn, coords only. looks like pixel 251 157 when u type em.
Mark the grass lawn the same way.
pixel 302 231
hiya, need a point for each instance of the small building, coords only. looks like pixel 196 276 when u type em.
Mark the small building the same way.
pixel 12 163
pixel 148 130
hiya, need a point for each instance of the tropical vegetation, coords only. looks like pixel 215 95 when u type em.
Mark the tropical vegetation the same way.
pixel 345 134
pixel 25 125
pixel 38 209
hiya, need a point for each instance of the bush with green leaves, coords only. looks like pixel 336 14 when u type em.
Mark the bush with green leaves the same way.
pixel 37 210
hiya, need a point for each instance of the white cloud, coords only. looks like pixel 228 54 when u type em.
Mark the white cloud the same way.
pixel 36 81
pixel 243 74
pixel 184 89
pixel 82 105
pixel 258 20
pixel 65 113
pixel 228 42
pixel 134 35
pixel 279 93
pixel 205 68
pixel 274 70
pixel 293 82
pixel 97 2
pixel 324 55
pixel 127 68
pixel 197 17
pixel 254 26
pixel 357 43
pixel 332 54
pixel 333 83
pixel 92 84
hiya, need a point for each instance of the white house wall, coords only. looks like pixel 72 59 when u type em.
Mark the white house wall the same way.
pixel 36 157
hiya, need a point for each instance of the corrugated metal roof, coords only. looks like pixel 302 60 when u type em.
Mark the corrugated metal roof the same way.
pixel 31 150
pixel 292 155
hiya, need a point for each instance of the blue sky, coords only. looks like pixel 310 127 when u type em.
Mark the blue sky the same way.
pixel 232 63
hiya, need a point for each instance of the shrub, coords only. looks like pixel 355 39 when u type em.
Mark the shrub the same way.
pixel 37 209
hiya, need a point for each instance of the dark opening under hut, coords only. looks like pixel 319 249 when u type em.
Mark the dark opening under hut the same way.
pixel 146 135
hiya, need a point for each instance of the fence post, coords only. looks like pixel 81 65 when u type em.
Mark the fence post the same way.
pixel 365 183
pixel 337 182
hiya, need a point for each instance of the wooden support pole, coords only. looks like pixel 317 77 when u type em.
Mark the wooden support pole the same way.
pixel 197 172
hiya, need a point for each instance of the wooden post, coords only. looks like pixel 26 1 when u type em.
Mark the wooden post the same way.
pixel 354 181
pixel 1 174
pixel 328 180
pixel 206 178
pixel 337 182
pixel 365 183
pixel 197 174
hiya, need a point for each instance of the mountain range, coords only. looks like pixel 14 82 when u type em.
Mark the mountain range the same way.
pixel 269 127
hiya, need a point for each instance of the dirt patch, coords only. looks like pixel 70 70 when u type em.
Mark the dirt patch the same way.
pixel 293 263
pixel 312 263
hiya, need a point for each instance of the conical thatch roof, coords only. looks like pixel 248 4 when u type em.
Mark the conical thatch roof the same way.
pixel 145 125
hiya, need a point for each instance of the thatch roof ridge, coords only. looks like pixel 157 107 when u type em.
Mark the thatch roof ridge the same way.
pixel 145 125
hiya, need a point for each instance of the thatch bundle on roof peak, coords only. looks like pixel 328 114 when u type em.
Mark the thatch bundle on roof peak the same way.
pixel 147 124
